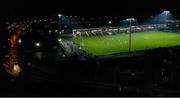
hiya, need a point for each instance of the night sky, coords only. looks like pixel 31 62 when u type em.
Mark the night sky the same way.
pixel 124 8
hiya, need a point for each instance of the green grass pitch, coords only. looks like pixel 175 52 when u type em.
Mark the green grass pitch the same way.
pixel 105 45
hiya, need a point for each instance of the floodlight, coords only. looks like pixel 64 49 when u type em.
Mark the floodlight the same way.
pixel 130 19
pixel 166 12
pixel 59 15
pixel 160 18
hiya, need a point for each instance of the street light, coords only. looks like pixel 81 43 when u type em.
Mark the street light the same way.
pixel 37 44
pixel 109 22
pixel 19 41
pixel 59 40
pixel 130 23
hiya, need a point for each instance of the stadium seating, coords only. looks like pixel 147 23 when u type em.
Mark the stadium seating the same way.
pixel 115 30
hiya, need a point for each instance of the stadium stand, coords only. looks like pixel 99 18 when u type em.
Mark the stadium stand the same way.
pixel 116 30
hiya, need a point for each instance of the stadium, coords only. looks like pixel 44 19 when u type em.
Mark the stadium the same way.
pixel 90 48
pixel 126 56
pixel 161 31
pixel 110 43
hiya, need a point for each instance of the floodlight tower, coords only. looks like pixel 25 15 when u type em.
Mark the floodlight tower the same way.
pixel 130 23
pixel 60 15
pixel 81 40
pixel 166 12
pixel 166 16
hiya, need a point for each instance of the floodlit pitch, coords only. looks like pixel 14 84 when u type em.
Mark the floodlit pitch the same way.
pixel 106 45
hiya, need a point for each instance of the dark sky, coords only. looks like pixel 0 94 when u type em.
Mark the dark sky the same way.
pixel 138 8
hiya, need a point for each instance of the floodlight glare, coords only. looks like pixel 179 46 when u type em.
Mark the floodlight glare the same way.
pixel 166 12
pixel 130 19
pixel 59 15
pixel 160 18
